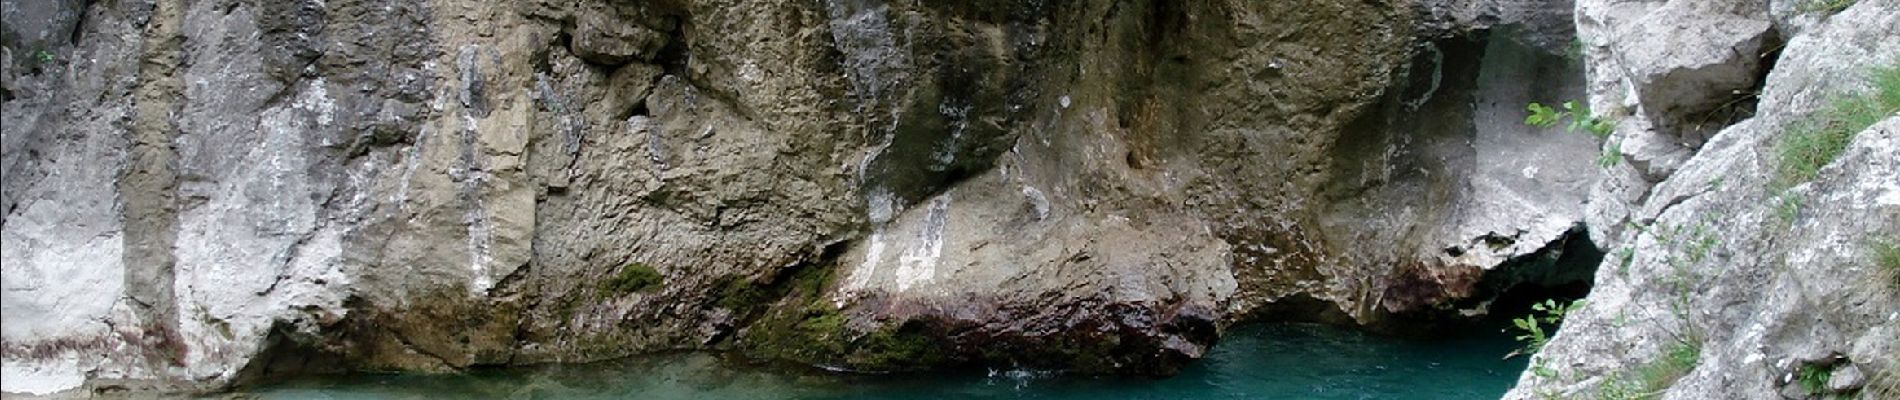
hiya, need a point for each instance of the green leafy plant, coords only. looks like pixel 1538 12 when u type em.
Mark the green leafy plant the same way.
pixel 1531 328
pixel 1580 118
pixel 1813 378
pixel 1612 155
pixel 44 56
pixel 1819 138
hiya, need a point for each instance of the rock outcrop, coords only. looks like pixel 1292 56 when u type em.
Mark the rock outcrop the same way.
pixel 1728 278
pixel 203 193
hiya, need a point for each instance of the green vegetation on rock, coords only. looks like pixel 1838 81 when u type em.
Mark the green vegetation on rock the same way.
pixel 1827 6
pixel 1815 141
pixel 807 328
pixel 1580 118
pixel 1531 327
pixel 633 277
pixel 1649 380
pixel 1885 383
pixel 1813 378
pixel 1886 257
pixel 1612 155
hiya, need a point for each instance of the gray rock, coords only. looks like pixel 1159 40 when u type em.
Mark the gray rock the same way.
pixel 1684 60
pixel 609 39
pixel 1761 290
pixel 36 26
pixel 440 185
pixel 1846 379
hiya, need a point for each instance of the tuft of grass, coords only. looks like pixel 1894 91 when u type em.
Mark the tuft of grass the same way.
pixel 1886 255
pixel 1827 6
pixel 1789 208
pixel 1815 141
pixel 1649 380
pixel 633 277
pixel 1885 383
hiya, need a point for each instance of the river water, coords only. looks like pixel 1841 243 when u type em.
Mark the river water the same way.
pixel 1253 362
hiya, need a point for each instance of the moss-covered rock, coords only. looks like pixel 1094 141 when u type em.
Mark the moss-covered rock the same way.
pixel 633 277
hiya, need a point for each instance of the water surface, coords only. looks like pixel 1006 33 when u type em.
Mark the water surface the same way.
pixel 1252 362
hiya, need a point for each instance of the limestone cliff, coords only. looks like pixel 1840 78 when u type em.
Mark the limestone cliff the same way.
pixel 201 193
pixel 1735 271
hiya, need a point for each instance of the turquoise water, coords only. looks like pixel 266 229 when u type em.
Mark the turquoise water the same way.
pixel 1254 362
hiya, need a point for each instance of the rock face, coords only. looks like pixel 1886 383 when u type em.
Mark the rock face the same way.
pixel 1745 284
pixel 201 194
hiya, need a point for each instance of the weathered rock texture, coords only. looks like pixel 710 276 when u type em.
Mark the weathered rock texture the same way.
pixel 1708 249
pixel 200 193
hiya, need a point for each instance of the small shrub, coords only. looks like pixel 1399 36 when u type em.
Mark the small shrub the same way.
pixel 43 56
pixel 1816 140
pixel 633 277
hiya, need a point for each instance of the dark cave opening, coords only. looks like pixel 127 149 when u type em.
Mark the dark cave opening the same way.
pixel 1563 271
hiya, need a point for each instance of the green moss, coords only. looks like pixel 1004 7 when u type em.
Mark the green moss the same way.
pixel 895 348
pixel 633 277
pixel 1815 141
pixel 742 295
pixel 819 334
pixel 805 327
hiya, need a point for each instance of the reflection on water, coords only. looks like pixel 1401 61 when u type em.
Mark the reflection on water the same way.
pixel 1254 362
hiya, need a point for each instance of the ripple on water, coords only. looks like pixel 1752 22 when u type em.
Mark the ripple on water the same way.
pixel 1252 362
